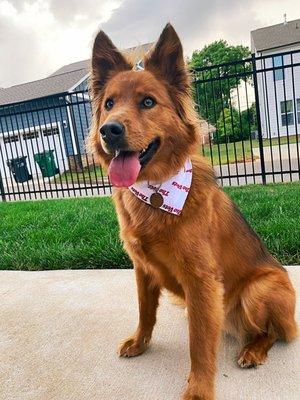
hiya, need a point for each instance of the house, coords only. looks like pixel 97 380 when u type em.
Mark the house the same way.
pixel 49 114
pixel 278 88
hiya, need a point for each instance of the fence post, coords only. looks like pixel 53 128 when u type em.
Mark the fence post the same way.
pixel 259 131
pixel 2 191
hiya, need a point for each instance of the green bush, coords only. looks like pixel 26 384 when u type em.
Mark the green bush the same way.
pixel 233 126
pixel 228 126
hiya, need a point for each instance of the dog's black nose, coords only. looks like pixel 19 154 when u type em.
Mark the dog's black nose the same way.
pixel 113 133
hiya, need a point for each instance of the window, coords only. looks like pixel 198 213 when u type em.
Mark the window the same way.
pixel 298 110
pixel 278 73
pixel 50 131
pixel 287 115
pixel 11 139
pixel 31 135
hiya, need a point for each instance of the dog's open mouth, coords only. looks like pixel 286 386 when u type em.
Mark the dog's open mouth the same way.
pixel 126 165
pixel 146 154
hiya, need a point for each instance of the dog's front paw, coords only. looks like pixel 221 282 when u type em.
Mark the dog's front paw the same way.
pixel 133 346
pixel 196 391
pixel 191 395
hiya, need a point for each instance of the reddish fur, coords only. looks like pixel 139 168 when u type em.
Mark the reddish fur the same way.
pixel 208 256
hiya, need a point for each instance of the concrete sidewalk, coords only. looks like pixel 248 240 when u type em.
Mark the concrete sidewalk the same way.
pixel 59 332
pixel 284 152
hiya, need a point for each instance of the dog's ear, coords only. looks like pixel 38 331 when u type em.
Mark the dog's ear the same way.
pixel 167 59
pixel 106 60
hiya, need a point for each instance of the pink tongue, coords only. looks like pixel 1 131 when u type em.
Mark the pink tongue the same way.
pixel 124 169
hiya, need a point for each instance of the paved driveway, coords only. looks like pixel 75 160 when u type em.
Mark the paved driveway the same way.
pixel 283 152
pixel 277 159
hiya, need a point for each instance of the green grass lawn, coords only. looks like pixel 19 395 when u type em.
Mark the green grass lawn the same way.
pixel 90 175
pixel 83 233
pixel 239 151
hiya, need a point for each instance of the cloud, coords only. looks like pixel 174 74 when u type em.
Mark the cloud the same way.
pixel 36 37
pixel 39 36
pixel 68 12
pixel 197 22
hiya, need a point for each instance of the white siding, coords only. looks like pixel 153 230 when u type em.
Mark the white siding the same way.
pixel 272 93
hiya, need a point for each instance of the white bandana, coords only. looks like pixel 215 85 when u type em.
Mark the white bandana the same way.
pixel 174 191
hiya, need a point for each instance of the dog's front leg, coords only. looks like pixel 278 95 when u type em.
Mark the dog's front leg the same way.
pixel 148 296
pixel 204 305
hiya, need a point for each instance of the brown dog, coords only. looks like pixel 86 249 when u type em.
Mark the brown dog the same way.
pixel 208 255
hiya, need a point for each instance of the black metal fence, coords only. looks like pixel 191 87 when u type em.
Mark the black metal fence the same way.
pixel 250 117
pixel 42 150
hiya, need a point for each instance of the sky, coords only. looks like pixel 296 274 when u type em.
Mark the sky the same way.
pixel 39 36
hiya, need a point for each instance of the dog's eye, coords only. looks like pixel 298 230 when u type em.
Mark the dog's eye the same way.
pixel 109 103
pixel 148 102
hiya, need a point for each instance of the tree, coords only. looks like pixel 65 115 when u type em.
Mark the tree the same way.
pixel 212 86
pixel 249 122
pixel 233 126
pixel 228 126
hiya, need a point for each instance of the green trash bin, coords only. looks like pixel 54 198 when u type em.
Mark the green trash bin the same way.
pixel 46 162
pixel 19 170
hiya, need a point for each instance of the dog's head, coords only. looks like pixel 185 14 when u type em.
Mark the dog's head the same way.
pixel 144 126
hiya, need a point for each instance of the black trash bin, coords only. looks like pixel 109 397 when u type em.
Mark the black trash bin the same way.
pixel 19 170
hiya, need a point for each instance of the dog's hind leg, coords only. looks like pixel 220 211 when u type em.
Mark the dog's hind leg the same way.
pixel 267 314
pixel 256 350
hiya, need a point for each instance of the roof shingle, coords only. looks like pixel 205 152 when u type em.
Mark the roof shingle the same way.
pixel 60 81
pixel 41 88
pixel 274 36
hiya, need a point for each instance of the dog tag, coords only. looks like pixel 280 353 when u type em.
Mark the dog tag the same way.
pixel 156 200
